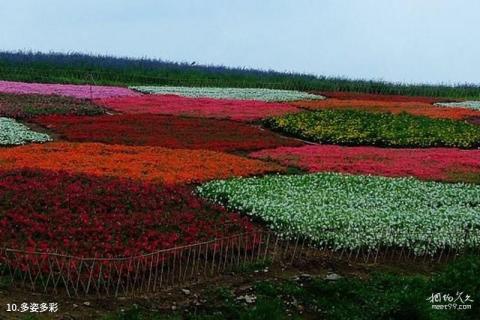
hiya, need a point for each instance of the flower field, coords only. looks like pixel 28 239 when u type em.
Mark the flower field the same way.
pixel 257 94
pixel 14 133
pixel 165 131
pixel 154 164
pixel 131 173
pixel 438 164
pixel 48 211
pixel 351 127
pixel 345 211
pixel 345 95
pixel 242 110
pixel 26 106
pixel 68 90
pixel 475 105
pixel 412 107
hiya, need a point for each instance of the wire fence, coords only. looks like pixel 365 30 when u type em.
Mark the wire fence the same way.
pixel 185 265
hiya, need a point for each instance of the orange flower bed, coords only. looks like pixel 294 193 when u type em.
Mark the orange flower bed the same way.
pixel 415 108
pixel 144 163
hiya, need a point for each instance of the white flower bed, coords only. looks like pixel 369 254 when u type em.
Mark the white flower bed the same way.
pixel 269 95
pixel 14 133
pixel 344 211
pixel 475 105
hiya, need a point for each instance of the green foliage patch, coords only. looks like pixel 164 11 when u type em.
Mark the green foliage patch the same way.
pixel 353 127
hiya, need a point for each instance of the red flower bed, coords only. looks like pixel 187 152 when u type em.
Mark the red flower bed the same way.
pixel 243 110
pixel 83 215
pixel 379 97
pixel 166 131
pixel 415 108
pixel 443 164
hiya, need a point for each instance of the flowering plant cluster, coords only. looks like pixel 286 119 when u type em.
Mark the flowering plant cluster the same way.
pixel 14 133
pixel 352 127
pixel 165 131
pixel 242 110
pixel 258 94
pixel 24 106
pixel 69 90
pixel 157 164
pixel 344 211
pixel 83 215
pixel 396 107
pixel 475 105
pixel 343 95
pixel 440 164
pixel 119 187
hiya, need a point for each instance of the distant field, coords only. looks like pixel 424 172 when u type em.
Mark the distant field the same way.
pixel 80 68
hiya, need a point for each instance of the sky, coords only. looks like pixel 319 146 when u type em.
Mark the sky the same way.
pixel 413 41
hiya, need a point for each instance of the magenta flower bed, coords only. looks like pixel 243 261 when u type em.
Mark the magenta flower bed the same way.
pixel 442 164
pixel 69 90
pixel 242 110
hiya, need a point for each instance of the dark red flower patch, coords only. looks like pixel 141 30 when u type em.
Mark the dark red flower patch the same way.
pixel 379 97
pixel 243 110
pixel 87 216
pixel 24 106
pixel 474 120
pixel 166 131
pixel 443 164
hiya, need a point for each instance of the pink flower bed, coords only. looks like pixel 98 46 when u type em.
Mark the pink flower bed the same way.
pixel 243 110
pixel 442 164
pixel 70 90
